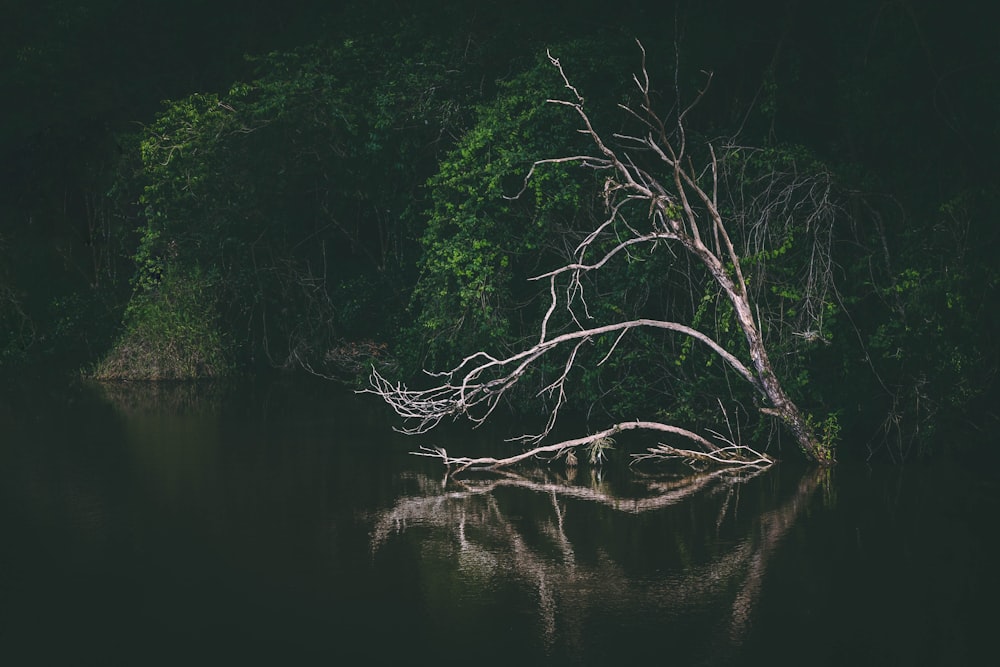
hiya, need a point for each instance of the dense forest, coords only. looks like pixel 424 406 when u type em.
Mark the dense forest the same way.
pixel 197 190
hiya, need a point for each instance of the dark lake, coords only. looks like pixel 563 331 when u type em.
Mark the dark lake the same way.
pixel 285 523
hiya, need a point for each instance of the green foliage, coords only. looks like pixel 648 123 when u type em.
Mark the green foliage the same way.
pixel 294 192
pixel 17 331
pixel 827 433
pixel 927 322
pixel 489 229
pixel 172 332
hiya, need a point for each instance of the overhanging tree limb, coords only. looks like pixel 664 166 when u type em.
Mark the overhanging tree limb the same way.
pixel 481 379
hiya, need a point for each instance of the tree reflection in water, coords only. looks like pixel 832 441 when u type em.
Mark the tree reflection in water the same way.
pixel 515 527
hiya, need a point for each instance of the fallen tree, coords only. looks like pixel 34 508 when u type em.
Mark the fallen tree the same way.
pixel 671 203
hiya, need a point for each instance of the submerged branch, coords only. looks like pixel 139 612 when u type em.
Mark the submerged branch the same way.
pixel 733 455
pixel 730 456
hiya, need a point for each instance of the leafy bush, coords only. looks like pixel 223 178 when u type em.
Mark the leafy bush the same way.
pixel 485 237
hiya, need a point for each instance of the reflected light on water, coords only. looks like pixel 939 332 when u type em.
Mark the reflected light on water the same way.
pixel 519 529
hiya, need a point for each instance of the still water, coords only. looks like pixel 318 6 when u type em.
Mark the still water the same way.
pixel 286 524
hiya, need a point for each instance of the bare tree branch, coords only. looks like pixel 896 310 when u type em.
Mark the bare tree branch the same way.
pixel 481 380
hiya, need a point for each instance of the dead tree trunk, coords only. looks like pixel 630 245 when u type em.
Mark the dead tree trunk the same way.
pixel 677 209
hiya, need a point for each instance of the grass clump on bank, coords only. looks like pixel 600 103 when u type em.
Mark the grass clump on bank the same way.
pixel 172 332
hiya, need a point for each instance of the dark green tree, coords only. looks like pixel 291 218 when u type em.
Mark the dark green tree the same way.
pixel 289 197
